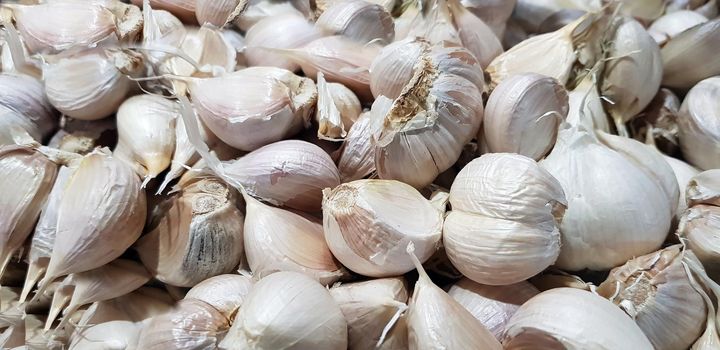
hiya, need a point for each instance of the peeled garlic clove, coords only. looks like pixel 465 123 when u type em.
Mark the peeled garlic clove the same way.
pixel 633 73
pixel 492 305
pixel 368 224
pixel 699 226
pixel 23 104
pixel 281 240
pixel 192 324
pixel 503 242
pixel 569 318
pixel 699 138
pixel 225 293
pixel 218 12
pixel 393 66
pixel 273 33
pixel 495 13
pixel 523 113
pixel 290 173
pixel 258 10
pixel 125 334
pixel 359 20
pixel 356 158
pixel 254 107
pixel 585 107
pixel 474 34
pixel 199 236
pixel 704 188
pixel 684 172
pixel 33 176
pixel 284 310
pixel 619 211
pixel 674 23
pixel 685 58
pixel 655 291
pixel 436 114
pixel 338 108
pixel 146 125
pixel 369 307
pixel 183 9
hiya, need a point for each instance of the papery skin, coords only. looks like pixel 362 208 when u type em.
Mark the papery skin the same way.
pixel 225 293
pixel 704 188
pixel 699 123
pixel 192 324
pixel 271 32
pixel 585 106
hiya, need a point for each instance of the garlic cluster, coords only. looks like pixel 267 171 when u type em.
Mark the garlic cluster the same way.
pixel 699 134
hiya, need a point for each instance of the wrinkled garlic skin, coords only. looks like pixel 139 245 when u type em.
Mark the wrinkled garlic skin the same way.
pixel 359 20
pixel 192 324
pixel 685 58
pixel 356 158
pixel 225 293
pixel 436 114
pixel 503 226
pixel 146 126
pixel 674 23
pixel 621 210
pixel 368 224
pixel 368 308
pixel 492 305
pixel 495 13
pixel 282 240
pixel 33 176
pixel 699 226
pixel 699 123
pixel 655 291
pixel 198 237
pixel 569 318
pixel 632 80
pixel 218 12
pixel 111 333
pixel 23 104
pixel 523 113
pixel 254 107
pixel 272 33
pixel 182 9
pixel 287 310
pixel 290 173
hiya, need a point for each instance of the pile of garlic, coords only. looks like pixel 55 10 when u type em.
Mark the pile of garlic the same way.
pixel 359 174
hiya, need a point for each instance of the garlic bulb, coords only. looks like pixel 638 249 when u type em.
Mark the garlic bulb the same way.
pixel 199 235
pixel 225 293
pixel 146 126
pixel 218 12
pixel 684 172
pixel 492 305
pixel 90 86
pixel 523 113
pixel 371 307
pixel 356 157
pixel 621 210
pixel 655 291
pixel 368 224
pixel 503 227
pixel 495 13
pixel 359 20
pixel 287 310
pixel 569 318
pixel 258 10
pixel 24 105
pixel 338 108
pixel 281 240
pixel 255 106
pixel 697 121
pixel 585 107
pixel 685 57
pixel 436 114
pixel 192 324
pixel 674 23
pixel 272 33
pixel 699 226
pixel 183 9
pixel 23 197
pixel 96 226
pixel 111 334
pixel 632 80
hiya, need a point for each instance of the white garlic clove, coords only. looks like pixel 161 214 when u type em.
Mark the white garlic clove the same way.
pixel 492 305
pixel 371 307
pixel 685 58
pixel 281 240
pixel 356 158
pixel 495 13
pixel 684 172
pixel 218 12
pixel 199 236
pixel 359 20
pixel 655 291
pixel 24 105
pixel 523 113
pixel 183 9
pixel 393 66
pixel 674 23
pixel 368 224
pixel 474 34
pixel 109 334
pixel 568 318
pixel 258 10
pixel 192 324
pixel 273 33
pixel 284 310
pixel 225 293
pixel 338 108
pixel 585 107
pixel 146 125
pixel 699 138
pixel 704 188
pixel 254 107
pixel 698 227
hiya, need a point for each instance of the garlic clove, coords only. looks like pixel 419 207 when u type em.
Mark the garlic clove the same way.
pixel 585 107
pixel 225 293
pixel 356 158
pixel 136 306
pixel 338 108
pixel 272 33
pixel 218 12
pixel 237 42
pixel 685 57
pixel 281 240
pixel 492 305
pixel 495 13
pixel 183 9
pixel 561 318
pixel 684 172
pixel 199 236
pixel 192 324
pixel 368 223
pixel 704 188
pixel 646 11
pixel 698 227
pixel 161 30
pixel 359 20
pixel 674 23
pixel 531 14
pixel 258 10
pixel 523 113
pixel 699 136
pixel 23 104
pixel 284 310
pixel 111 334
pixel 474 34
